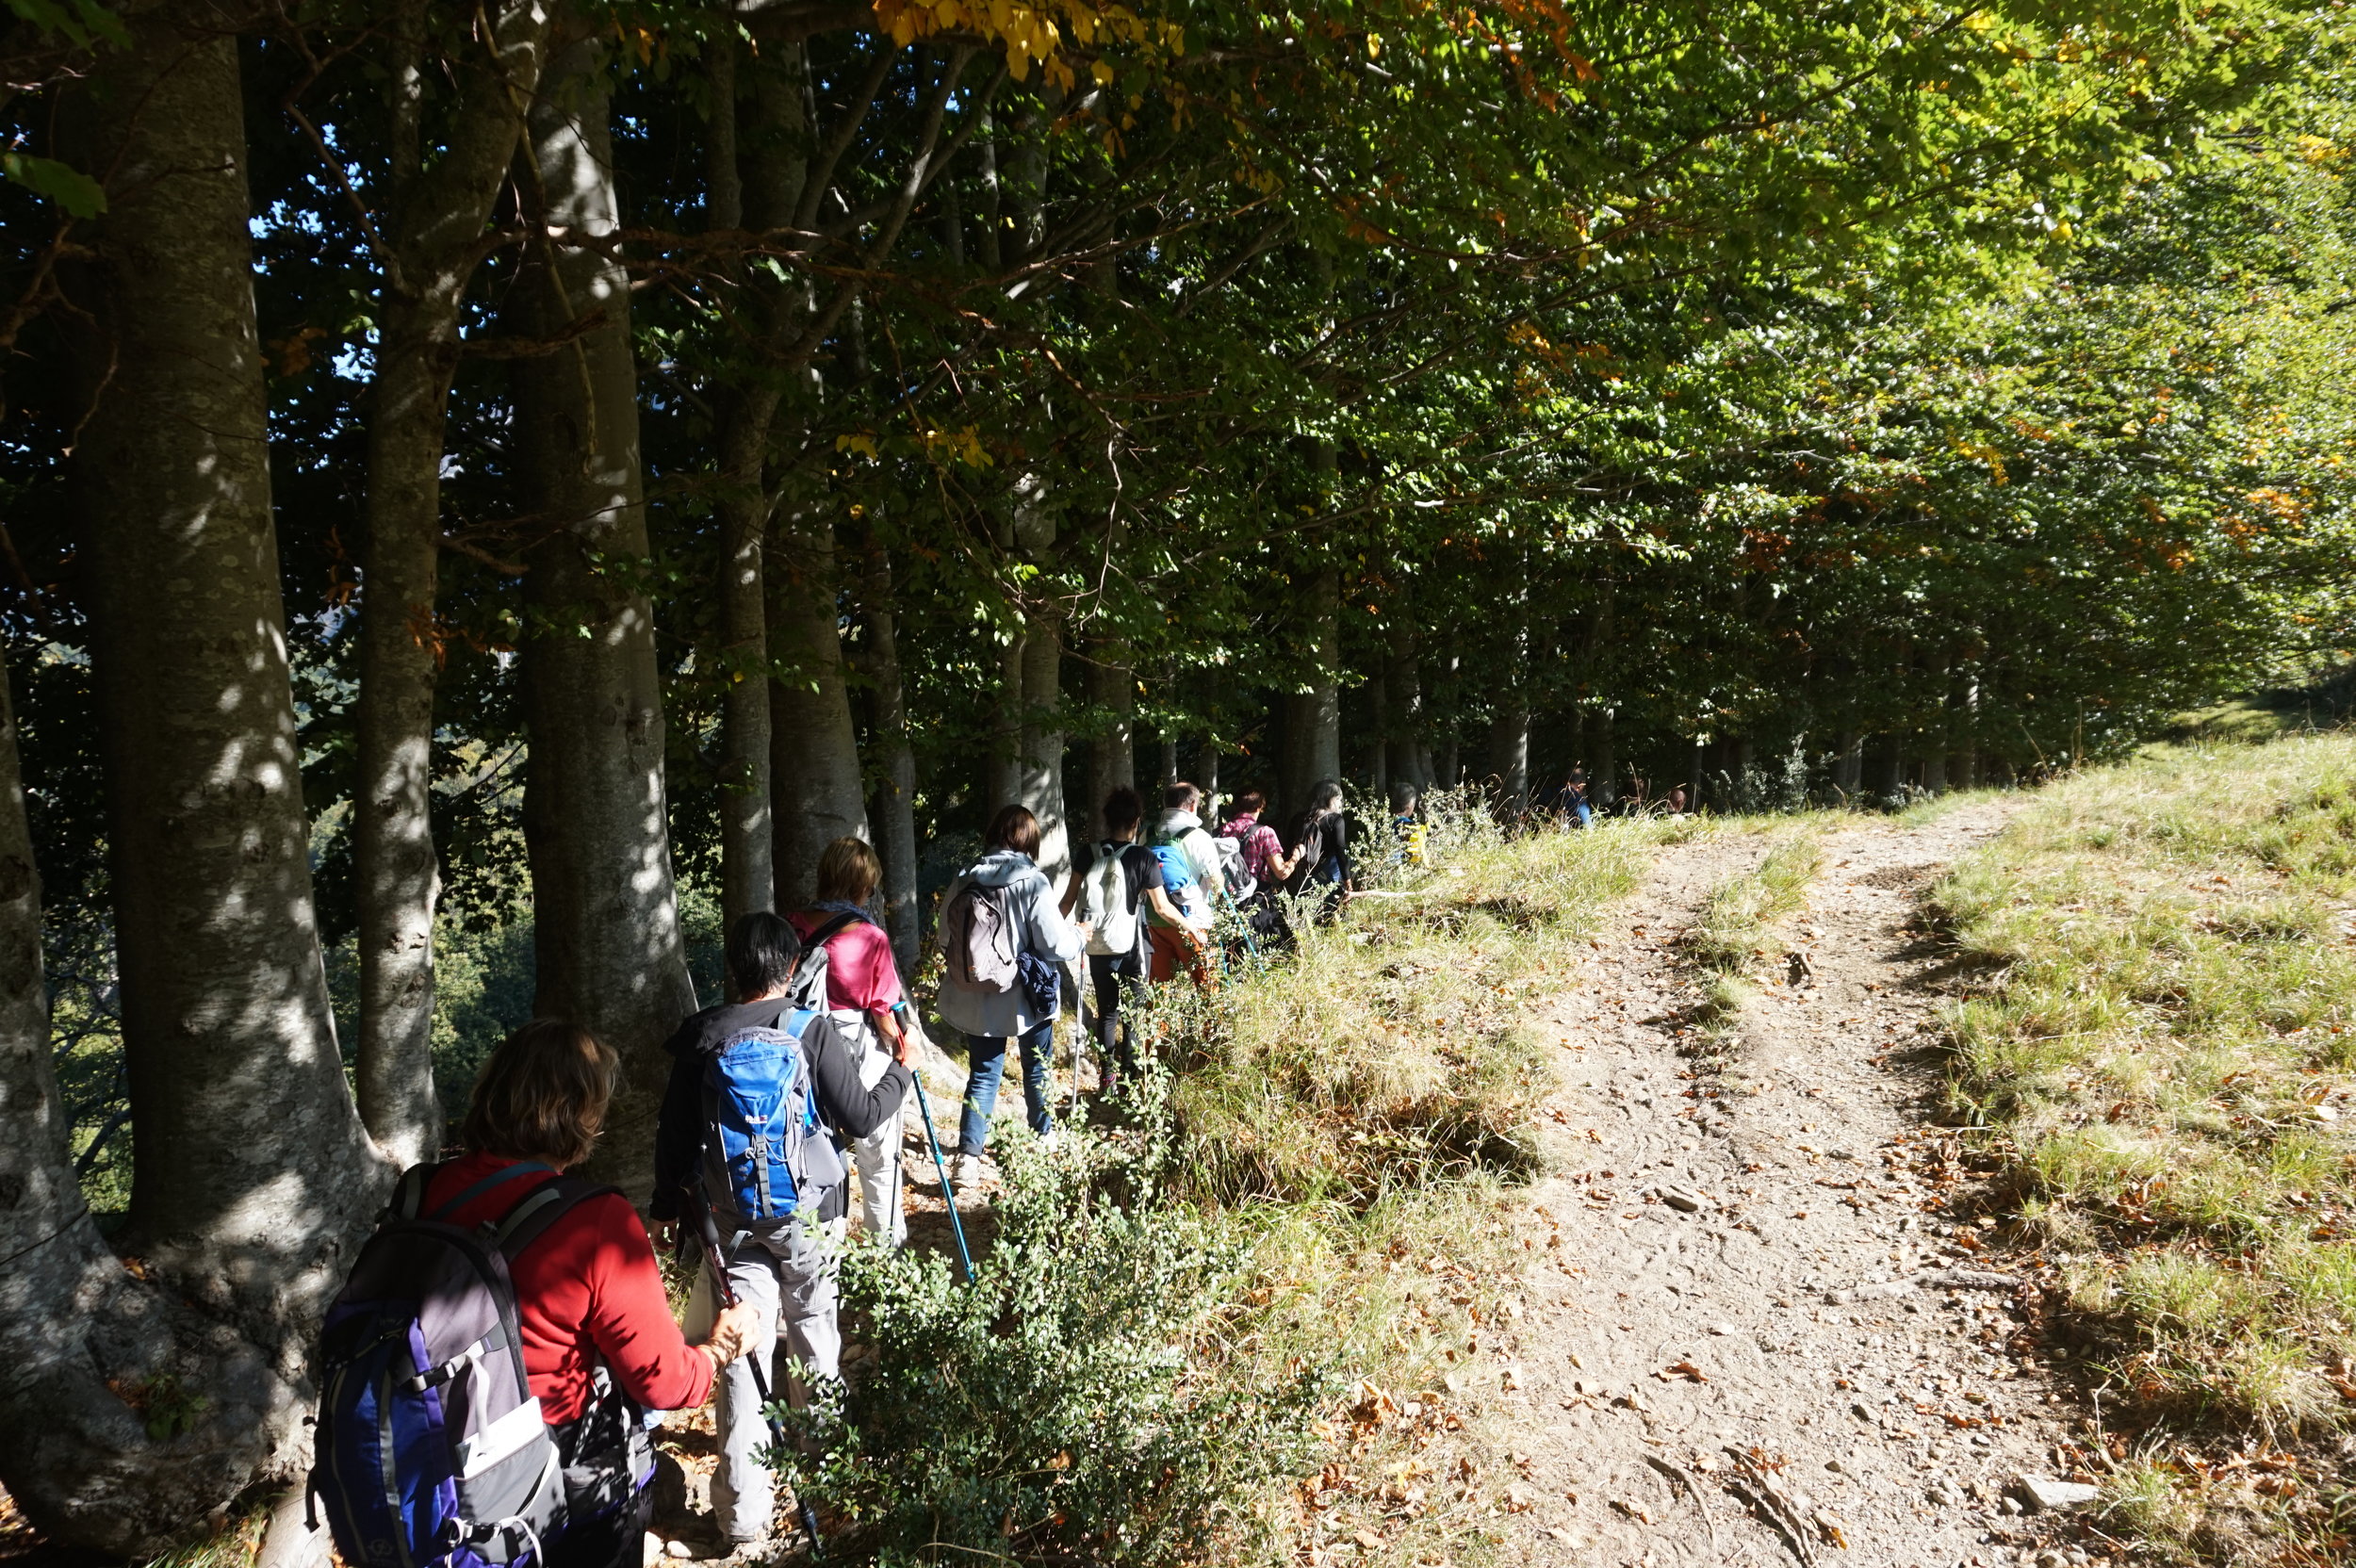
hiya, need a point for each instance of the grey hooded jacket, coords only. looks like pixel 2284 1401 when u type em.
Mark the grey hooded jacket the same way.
pixel 1045 934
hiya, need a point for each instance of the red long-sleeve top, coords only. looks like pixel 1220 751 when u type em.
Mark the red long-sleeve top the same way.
pixel 588 1289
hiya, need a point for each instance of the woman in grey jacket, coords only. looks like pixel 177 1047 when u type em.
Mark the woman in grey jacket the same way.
pixel 989 1019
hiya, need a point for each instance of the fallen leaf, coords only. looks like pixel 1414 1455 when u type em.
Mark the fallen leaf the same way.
pixel 1685 1369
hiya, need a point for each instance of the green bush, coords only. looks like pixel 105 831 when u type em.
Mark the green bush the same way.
pixel 1069 1405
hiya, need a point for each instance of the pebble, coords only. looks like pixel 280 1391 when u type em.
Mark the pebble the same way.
pixel 2043 1493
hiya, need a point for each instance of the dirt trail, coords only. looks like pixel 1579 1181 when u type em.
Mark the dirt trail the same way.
pixel 1784 1149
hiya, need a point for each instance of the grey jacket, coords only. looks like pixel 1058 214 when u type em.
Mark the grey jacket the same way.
pixel 1045 934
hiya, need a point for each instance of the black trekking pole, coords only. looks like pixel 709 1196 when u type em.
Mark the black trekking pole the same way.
pixel 948 1193
pixel 709 1230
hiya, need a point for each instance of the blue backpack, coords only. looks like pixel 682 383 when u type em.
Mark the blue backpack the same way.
pixel 430 1447
pixel 765 1154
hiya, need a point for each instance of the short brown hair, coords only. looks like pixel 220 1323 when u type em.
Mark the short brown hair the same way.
pixel 1250 800
pixel 541 1094
pixel 848 872
pixel 1014 828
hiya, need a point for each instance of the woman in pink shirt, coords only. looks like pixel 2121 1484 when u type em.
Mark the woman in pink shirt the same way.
pixel 862 982
pixel 1263 852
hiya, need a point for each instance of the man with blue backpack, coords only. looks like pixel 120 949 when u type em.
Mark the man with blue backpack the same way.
pixel 760 1088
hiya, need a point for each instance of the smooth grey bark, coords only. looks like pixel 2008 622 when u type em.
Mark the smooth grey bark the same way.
pixel 1410 754
pixel 1043 741
pixel 1889 772
pixel 1379 735
pixel 1696 774
pixel 814 754
pixel 1313 713
pixel 75 1452
pixel 1603 780
pixel 1934 772
pixel 1002 778
pixel 1848 765
pixel 894 806
pixel 433 238
pixel 253 1174
pixel 1112 753
pixel 779 164
pixel 1509 750
pixel 606 934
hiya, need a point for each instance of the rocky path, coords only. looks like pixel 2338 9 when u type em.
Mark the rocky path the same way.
pixel 1696 1383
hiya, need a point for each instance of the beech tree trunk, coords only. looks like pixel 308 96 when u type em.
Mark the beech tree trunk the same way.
pixel 1848 766
pixel 779 166
pixel 1509 751
pixel 1113 753
pixel 1043 742
pixel 606 934
pixel 1379 735
pixel 1313 714
pixel 1603 776
pixel 814 746
pixel 88 1342
pixel 253 1176
pixel 432 251
pixel 894 809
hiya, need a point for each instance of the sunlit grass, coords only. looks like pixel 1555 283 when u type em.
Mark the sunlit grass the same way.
pixel 2169 1037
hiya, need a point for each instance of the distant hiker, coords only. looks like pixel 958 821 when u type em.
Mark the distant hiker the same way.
pixel 1194 885
pixel 1004 941
pixel 1568 804
pixel 1675 801
pixel 429 1393
pixel 1321 848
pixel 1407 826
pixel 1179 825
pixel 755 1083
pixel 1114 889
pixel 1264 853
pixel 864 993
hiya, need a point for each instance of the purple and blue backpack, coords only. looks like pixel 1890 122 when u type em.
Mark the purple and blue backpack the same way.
pixel 432 1451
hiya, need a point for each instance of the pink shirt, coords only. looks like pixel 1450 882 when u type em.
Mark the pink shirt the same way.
pixel 859 970
pixel 1259 843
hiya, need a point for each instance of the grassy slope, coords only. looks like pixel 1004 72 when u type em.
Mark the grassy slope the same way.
pixel 2170 1047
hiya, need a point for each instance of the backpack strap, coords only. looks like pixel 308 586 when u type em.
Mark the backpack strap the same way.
pixel 530 1219
pixel 497 1178
pixel 409 1193
pixel 826 933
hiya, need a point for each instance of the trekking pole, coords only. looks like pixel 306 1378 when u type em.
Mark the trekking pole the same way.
pixel 947 1192
pixel 709 1230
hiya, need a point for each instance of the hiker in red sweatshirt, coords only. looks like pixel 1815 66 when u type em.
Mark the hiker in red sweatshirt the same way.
pixel 599 1344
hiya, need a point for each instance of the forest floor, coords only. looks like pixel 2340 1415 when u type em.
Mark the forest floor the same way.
pixel 1685 1382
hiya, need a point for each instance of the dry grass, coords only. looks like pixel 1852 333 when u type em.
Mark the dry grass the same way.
pixel 2169 1045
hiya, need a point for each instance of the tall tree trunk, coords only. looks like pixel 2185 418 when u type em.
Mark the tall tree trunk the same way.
pixel 432 250
pixel 606 934
pixel 253 1174
pixel 1889 775
pixel 1848 766
pixel 1408 726
pixel 1603 778
pixel 1043 741
pixel 1379 735
pixel 90 1342
pixel 1113 752
pixel 814 745
pixel 1313 714
pixel 894 808
pixel 1509 750
pixel 776 312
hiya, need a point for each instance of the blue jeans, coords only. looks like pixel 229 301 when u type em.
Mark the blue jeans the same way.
pixel 986 1062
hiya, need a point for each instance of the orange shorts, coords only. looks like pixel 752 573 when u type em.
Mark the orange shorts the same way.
pixel 1176 948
